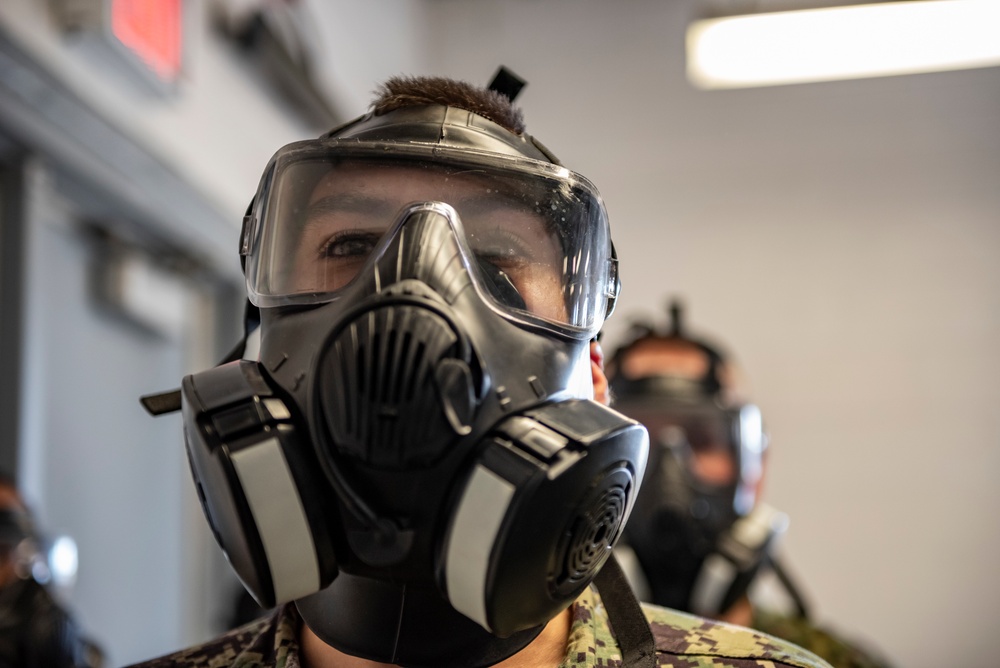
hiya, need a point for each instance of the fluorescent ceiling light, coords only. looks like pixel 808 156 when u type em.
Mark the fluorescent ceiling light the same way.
pixel 843 43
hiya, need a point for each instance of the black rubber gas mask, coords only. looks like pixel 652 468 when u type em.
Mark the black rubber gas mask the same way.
pixel 414 456
pixel 698 531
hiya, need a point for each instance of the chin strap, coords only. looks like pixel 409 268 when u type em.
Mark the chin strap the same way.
pixel 798 600
pixel 628 621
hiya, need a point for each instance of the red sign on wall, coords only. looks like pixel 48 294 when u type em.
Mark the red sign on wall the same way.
pixel 152 30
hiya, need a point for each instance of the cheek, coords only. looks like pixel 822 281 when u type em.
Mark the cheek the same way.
pixel 542 293
pixel 309 274
pixel 300 272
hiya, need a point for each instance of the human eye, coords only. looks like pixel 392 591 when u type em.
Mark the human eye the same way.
pixel 349 245
pixel 331 260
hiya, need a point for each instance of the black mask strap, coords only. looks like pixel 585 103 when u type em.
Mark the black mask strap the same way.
pixel 628 622
pixel 801 605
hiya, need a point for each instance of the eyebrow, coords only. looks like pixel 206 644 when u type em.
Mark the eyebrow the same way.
pixel 479 203
pixel 349 203
pixel 385 209
pixel 485 203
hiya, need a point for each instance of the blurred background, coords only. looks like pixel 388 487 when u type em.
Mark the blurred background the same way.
pixel 842 237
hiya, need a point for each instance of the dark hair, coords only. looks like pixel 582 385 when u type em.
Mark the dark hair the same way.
pixel 400 92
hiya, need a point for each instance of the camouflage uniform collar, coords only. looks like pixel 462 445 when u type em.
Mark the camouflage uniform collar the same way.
pixel 682 641
pixel 590 641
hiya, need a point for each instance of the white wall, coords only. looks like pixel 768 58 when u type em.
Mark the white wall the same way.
pixel 844 240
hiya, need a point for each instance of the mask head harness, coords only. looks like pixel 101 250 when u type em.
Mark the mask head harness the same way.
pixel 698 530
pixel 414 456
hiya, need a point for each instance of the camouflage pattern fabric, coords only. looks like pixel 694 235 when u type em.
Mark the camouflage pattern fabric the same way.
pixel 682 641
pixel 269 641
pixel 839 652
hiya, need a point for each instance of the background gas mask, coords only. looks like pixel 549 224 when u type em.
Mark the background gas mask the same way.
pixel 19 544
pixel 698 531
pixel 415 456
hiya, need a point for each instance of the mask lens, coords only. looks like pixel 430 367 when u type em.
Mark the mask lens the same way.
pixel 701 436
pixel 539 237
pixel 712 453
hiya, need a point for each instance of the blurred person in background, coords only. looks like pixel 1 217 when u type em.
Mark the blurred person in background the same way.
pixel 414 463
pixel 700 536
pixel 35 631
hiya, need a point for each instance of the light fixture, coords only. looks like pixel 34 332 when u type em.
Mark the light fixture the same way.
pixel 844 42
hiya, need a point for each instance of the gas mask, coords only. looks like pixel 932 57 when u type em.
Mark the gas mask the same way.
pixel 698 531
pixel 19 542
pixel 414 455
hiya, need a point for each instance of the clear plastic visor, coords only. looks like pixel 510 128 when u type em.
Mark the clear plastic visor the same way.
pixel 538 229
pixel 702 435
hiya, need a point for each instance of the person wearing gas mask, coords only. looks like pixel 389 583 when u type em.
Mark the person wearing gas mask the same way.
pixel 699 535
pixel 408 460
pixel 35 630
